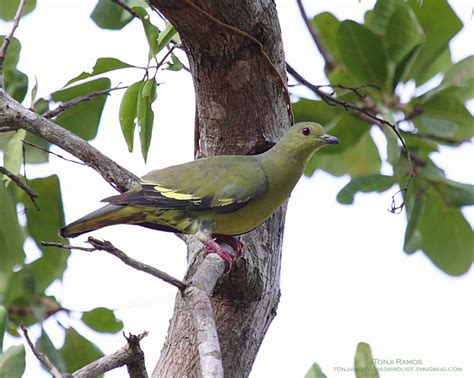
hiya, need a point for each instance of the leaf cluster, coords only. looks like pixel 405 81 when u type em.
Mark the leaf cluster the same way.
pixel 400 44
pixel 77 107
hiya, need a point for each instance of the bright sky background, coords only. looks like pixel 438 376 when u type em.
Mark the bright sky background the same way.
pixel 345 277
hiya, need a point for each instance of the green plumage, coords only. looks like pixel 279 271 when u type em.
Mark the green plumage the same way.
pixel 222 195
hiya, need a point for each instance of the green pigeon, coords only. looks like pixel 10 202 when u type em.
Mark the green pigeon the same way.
pixel 214 198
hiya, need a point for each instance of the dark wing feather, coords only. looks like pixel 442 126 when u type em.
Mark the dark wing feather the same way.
pixel 222 184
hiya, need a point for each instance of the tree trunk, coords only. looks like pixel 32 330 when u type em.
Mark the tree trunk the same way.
pixel 241 108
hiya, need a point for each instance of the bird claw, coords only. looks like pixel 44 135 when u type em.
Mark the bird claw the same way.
pixel 232 241
pixel 212 246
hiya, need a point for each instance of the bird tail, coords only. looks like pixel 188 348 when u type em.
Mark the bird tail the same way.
pixel 105 216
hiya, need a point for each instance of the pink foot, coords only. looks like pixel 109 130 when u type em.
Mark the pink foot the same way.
pixel 213 247
pixel 232 241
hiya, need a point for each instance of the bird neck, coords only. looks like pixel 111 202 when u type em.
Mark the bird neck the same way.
pixel 284 164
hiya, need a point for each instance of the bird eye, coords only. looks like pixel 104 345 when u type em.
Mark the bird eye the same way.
pixel 305 131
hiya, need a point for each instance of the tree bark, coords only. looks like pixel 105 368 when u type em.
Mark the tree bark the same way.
pixel 241 108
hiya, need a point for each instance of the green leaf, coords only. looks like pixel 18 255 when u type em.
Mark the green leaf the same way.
pixel 3 325
pixel 13 53
pixel 13 152
pixel 16 84
pixel 34 155
pixel 101 66
pixel 315 371
pixel 378 18
pixel 46 346
pixel 402 67
pixel 77 351
pixel 175 64
pixel 43 225
pixel 461 72
pixel 146 97
pixel 108 15
pixel 12 362
pixel 314 111
pixel 11 236
pixel 404 33
pixel 393 148
pixel 370 183
pixel 34 91
pixel 454 194
pixel 361 159
pixel 21 291
pixel 327 24
pixel 446 108
pixel 363 53
pixel 41 106
pixel 82 119
pixel 441 64
pixel 460 76
pixel 437 126
pixel 151 31
pixel 102 319
pixel 168 33
pixel 446 236
pixel 348 129
pixel 440 25
pixel 414 206
pixel 364 362
pixel 8 8
pixel 128 112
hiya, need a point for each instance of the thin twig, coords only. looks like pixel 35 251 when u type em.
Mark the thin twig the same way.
pixel 313 31
pixel 397 209
pixel 130 355
pixel 51 152
pixel 437 138
pixel 55 372
pixel 68 104
pixel 125 6
pixel 365 115
pixel 358 111
pixel 168 53
pixel 9 36
pixel 17 180
pixel 14 116
pixel 262 51
pixel 98 245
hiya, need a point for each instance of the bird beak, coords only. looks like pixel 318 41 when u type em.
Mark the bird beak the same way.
pixel 328 139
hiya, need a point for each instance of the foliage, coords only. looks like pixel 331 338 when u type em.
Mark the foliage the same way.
pixel 398 43
pixel 12 360
pixel 364 366
pixel 401 42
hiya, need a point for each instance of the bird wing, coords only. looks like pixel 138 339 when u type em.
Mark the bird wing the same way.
pixel 222 184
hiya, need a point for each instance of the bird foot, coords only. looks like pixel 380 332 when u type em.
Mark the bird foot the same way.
pixel 232 241
pixel 212 246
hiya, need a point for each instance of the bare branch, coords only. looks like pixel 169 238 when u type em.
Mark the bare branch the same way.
pixel 313 31
pixel 106 246
pixel 55 372
pixel 9 36
pixel 196 297
pixel 69 104
pixel 17 180
pixel 210 357
pixel 125 6
pixel 51 152
pixel 130 355
pixel 14 116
